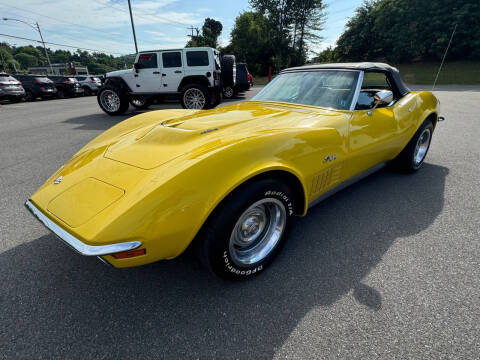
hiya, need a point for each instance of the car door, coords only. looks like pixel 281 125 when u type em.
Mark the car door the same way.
pixel 148 77
pixel 172 70
pixel 372 132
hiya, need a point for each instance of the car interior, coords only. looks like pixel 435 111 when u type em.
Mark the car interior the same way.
pixel 373 82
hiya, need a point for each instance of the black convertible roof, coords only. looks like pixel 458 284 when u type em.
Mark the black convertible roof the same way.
pixel 363 66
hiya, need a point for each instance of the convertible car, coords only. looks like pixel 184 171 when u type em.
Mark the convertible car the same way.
pixel 230 181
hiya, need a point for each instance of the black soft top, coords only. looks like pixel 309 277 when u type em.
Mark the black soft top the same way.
pixel 390 71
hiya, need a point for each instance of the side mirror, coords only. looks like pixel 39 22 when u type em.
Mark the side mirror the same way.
pixel 383 97
pixel 137 66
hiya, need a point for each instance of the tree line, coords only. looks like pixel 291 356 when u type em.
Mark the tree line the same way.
pixel 404 31
pixel 20 58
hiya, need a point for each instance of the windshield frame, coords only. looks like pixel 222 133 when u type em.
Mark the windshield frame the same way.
pixel 357 86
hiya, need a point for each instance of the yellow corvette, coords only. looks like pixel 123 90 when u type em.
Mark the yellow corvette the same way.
pixel 231 180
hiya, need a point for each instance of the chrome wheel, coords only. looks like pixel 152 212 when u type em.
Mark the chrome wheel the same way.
pixel 257 231
pixel 228 92
pixel 110 100
pixel 194 99
pixel 421 148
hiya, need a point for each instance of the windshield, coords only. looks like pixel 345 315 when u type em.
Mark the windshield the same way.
pixel 332 89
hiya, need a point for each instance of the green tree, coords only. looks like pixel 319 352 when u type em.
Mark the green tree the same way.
pixel 249 42
pixel 211 30
pixel 26 60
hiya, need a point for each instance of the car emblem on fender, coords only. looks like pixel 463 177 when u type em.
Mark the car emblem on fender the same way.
pixel 58 180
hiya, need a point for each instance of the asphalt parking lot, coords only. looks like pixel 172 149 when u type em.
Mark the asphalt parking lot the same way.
pixel 387 268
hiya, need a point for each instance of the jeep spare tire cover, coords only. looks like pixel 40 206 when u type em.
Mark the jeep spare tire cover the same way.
pixel 229 70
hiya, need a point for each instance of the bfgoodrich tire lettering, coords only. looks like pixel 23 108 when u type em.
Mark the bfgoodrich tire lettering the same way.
pixel 245 233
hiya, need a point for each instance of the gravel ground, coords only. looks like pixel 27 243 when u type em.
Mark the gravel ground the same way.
pixel 387 268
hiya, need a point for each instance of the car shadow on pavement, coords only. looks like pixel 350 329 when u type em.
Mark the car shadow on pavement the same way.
pixel 57 303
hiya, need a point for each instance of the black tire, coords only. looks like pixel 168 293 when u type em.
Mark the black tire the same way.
pixel 195 89
pixel 141 102
pixel 216 99
pixel 122 97
pixel 228 70
pixel 214 243
pixel 29 95
pixel 407 161
pixel 228 92
pixel 16 99
pixel 87 91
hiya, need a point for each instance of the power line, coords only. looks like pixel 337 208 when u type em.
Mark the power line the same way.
pixel 62 45
pixel 50 17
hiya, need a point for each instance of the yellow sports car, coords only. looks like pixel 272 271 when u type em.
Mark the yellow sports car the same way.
pixel 230 181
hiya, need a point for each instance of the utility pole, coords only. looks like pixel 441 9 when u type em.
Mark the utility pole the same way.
pixel 44 48
pixel 133 27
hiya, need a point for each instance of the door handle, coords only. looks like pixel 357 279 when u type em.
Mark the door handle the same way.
pixel 410 109
pixel 156 72
pixel 164 74
pixel 178 72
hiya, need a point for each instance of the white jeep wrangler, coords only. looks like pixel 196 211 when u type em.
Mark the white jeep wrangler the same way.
pixel 195 75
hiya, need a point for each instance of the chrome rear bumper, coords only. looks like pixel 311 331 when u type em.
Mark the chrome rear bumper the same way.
pixel 76 244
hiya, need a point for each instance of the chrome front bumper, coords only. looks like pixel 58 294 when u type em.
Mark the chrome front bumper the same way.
pixel 76 244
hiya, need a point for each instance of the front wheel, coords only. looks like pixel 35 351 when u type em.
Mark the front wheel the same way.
pixel 412 156
pixel 112 100
pixel 246 232
pixel 195 97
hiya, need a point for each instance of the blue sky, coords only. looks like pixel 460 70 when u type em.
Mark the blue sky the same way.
pixel 104 24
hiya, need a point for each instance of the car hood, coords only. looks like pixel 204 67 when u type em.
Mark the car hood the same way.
pixel 197 133
pixel 118 73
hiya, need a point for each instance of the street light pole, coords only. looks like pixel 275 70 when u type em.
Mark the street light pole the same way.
pixel 44 48
pixel 133 26
pixel 36 28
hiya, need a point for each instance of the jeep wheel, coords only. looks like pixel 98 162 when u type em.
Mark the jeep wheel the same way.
pixel 195 96
pixel 244 234
pixel 112 100
pixel 228 92
pixel 140 102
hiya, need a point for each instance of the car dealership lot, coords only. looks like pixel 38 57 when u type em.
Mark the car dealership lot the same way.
pixel 388 267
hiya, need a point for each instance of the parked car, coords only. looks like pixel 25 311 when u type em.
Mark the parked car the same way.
pixel 90 84
pixel 233 180
pixel 10 88
pixel 194 75
pixel 242 82
pixel 67 86
pixel 37 86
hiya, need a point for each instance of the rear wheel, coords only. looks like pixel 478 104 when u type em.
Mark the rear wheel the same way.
pixel 112 100
pixel 228 92
pixel 412 156
pixel 246 232
pixel 87 91
pixel 195 96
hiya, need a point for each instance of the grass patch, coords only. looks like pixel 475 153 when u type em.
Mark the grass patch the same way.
pixel 261 80
pixel 453 73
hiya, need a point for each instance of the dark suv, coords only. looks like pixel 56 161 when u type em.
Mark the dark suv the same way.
pixel 243 78
pixel 67 86
pixel 37 86
pixel 10 88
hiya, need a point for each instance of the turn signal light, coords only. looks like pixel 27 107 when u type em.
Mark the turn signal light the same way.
pixel 129 253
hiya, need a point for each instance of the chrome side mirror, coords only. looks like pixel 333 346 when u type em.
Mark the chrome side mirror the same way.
pixel 383 97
